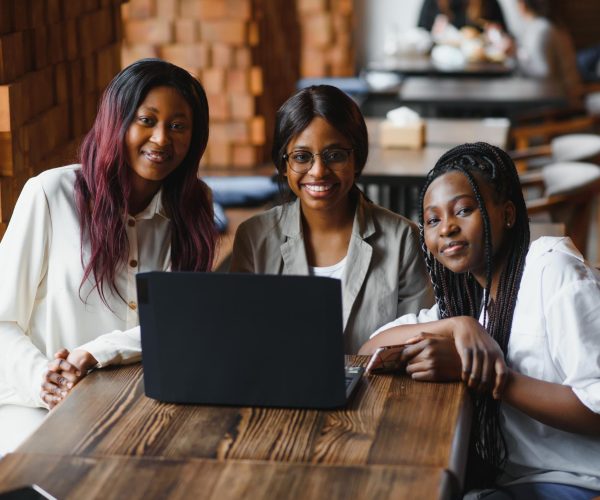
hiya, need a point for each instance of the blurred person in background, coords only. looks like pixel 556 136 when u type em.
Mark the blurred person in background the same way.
pixel 461 13
pixel 545 48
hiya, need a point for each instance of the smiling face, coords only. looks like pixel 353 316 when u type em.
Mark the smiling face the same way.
pixel 158 138
pixel 321 188
pixel 454 227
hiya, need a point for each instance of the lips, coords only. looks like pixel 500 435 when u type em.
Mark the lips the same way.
pixel 156 155
pixel 453 247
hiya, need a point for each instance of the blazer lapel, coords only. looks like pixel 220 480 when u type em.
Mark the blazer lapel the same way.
pixel 359 256
pixel 292 250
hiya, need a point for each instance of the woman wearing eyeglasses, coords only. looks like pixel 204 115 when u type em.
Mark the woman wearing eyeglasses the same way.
pixel 320 147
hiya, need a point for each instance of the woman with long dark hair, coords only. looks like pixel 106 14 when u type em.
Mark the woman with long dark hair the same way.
pixel 518 322
pixel 79 234
pixel 329 228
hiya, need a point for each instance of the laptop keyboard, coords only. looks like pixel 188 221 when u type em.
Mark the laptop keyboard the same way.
pixel 353 374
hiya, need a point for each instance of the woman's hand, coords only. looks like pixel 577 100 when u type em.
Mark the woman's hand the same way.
pixel 432 357
pixel 83 360
pixel 482 360
pixel 64 372
pixel 59 379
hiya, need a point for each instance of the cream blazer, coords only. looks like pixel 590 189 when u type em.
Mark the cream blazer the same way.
pixel 384 277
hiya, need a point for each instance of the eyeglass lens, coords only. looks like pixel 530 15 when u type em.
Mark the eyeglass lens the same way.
pixel 302 161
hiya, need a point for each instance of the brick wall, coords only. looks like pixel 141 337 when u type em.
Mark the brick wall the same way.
pixel 56 56
pixel 248 54
pixel 216 41
pixel 327 44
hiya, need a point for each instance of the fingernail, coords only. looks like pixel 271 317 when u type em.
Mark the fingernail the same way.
pixel 69 385
pixel 63 393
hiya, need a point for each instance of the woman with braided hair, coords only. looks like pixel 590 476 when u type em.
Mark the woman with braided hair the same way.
pixel 518 323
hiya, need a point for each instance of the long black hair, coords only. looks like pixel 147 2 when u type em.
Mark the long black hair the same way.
pixel 461 294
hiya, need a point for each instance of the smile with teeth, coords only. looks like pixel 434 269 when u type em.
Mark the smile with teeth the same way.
pixel 156 156
pixel 318 188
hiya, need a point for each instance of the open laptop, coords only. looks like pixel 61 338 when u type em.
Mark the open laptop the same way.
pixel 243 339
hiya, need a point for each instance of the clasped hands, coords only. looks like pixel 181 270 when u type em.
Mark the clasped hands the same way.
pixel 64 372
pixel 467 353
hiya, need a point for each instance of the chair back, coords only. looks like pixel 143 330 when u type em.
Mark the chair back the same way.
pixel 568 193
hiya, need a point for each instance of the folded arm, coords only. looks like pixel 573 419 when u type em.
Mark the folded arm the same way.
pixel 552 404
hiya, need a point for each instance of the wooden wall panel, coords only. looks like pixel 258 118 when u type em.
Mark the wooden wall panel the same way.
pixel 245 53
pixel 56 57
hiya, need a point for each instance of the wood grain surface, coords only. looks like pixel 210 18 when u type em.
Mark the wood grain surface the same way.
pixel 391 420
pixel 67 477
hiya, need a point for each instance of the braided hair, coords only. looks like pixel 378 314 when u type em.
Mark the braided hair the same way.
pixel 461 294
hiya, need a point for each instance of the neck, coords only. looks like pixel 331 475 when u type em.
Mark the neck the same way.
pixel 141 195
pixel 325 221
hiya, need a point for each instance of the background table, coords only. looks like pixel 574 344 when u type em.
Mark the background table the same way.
pixel 424 66
pixel 435 96
pixel 393 177
pixel 487 95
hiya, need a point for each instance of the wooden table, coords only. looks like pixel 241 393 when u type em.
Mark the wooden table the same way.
pixel 424 66
pixel 407 434
pixel 498 94
pixel 146 478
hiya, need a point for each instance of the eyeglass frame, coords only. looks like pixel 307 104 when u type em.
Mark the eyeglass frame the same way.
pixel 286 158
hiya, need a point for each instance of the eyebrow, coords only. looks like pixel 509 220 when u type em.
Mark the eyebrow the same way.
pixel 154 110
pixel 453 200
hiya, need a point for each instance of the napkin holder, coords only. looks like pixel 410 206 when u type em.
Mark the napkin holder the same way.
pixel 408 135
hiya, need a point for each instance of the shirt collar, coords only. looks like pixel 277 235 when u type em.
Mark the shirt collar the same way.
pixel 154 208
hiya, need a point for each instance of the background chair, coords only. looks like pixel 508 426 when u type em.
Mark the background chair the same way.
pixel 556 140
pixel 565 193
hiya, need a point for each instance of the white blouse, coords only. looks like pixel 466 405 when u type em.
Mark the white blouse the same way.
pixel 43 308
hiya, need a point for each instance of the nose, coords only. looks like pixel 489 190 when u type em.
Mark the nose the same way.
pixel 319 167
pixel 161 135
pixel 448 227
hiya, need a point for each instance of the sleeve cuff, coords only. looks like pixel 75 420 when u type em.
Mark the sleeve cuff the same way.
pixel 424 316
pixel 589 396
pixel 102 351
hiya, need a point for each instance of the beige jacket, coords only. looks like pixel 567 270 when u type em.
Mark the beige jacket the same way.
pixel 385 275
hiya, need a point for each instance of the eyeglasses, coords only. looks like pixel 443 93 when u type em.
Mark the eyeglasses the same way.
pixel 302 161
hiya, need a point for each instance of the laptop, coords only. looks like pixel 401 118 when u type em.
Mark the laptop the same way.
pixel 243 340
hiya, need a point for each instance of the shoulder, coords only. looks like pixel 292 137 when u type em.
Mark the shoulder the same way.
pixel 387 219
pixel 390 224
pixel 263 225
pixel 49 185
pixel 558 264
pixel 57 179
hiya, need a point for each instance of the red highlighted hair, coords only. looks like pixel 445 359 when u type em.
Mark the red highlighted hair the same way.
pixel 103 184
